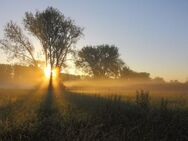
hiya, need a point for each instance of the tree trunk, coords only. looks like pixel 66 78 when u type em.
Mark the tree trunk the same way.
pixel 51 76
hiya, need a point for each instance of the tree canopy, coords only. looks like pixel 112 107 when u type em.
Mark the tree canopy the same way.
pixel 17 45
pixel 102 61
pixel 56 33
pixel 127 73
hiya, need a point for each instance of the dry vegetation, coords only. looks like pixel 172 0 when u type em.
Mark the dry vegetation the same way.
pixel 177 94
pixel 45 114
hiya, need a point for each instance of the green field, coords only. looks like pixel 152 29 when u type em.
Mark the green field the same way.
pixel 43 114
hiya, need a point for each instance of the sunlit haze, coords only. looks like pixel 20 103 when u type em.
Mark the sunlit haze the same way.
pixel 152 36
pixel 48 71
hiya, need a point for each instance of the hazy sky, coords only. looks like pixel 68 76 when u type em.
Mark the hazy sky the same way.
pixel 152 35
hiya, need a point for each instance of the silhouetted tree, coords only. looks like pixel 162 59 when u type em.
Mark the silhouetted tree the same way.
pixel 24 73
pixel 101 61
pixel 127 73
pixel 15 73
pixel 5 72
pixel 159 79
pixel 55 32
pixel 17 45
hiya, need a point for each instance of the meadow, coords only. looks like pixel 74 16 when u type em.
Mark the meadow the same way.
pixel 113 111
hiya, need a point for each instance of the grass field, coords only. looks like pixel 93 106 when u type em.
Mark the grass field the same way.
pixel 51 114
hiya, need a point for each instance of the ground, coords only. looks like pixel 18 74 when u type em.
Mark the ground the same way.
pixel 47 113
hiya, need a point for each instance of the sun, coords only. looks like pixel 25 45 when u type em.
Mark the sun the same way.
pixel 48 71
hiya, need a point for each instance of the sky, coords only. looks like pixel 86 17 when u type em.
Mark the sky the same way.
pixel 152 35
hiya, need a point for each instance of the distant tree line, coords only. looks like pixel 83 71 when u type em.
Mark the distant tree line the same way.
pixel 18 72
pixel 6 72
pixel 15 73
pixel 129 74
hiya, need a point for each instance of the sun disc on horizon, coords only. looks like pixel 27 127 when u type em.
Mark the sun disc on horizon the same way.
pixel 48 71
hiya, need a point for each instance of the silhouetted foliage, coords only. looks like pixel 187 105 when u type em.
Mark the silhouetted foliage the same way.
pixel 17 45
pixel 159 79
pixel 164 105
pixel 14 73
pixel 143 99
pixel 66 77
pixel 102 61
pixel 25 72
pixel 127 73
pixel 5 72
pixel 56 33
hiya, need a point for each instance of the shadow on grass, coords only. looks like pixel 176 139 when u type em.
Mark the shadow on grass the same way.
pixel 10 128
pixel 110 118
pixel 48 125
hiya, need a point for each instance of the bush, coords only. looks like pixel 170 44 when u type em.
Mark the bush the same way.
pixel 143 99
pixel 163 105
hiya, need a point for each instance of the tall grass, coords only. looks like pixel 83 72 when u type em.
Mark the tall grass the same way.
pixel 44 115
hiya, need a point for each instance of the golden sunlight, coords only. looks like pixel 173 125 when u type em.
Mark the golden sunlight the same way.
pixel 48 71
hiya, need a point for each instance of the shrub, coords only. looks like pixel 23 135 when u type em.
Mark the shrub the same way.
pixel 143 99
pixel 163 105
